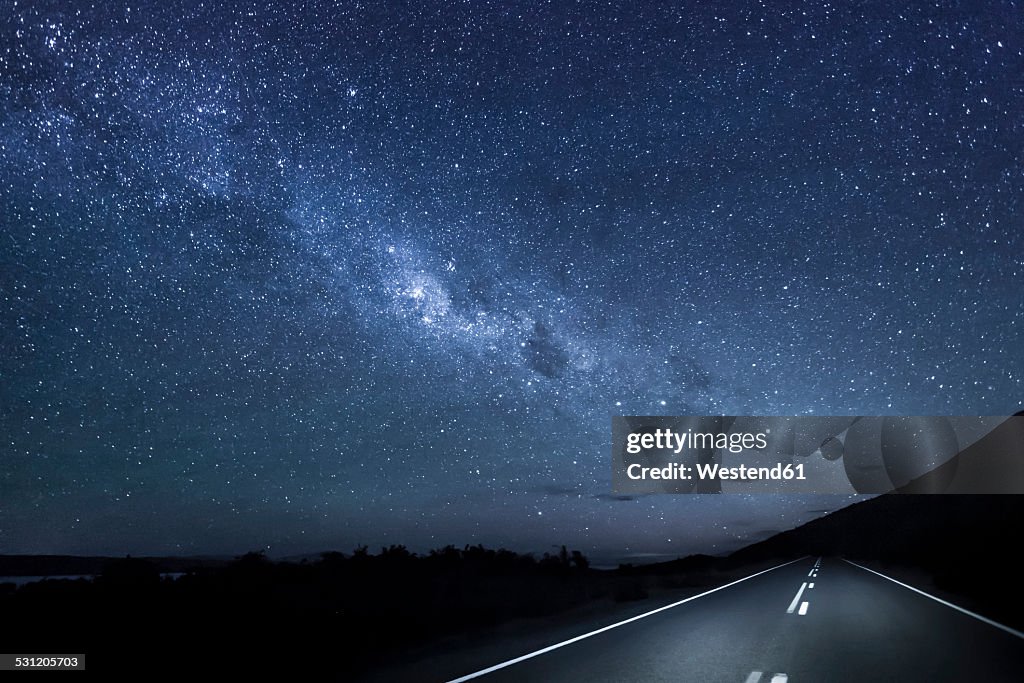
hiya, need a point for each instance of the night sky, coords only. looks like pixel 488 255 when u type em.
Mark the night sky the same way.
pixel 317 275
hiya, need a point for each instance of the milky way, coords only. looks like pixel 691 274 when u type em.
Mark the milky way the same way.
pixel 307 277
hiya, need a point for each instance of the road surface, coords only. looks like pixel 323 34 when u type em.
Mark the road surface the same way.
pixel 810 620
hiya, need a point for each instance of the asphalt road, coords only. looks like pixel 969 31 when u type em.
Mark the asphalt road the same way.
pixel 847 624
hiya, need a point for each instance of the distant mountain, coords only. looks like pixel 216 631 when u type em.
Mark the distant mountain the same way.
pixel 904 529
pixel 71 565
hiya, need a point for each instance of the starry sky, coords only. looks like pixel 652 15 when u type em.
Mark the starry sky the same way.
pixel 302 276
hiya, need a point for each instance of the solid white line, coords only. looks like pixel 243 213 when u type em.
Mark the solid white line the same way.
pixel 754 677
pixel 810 585
pixel 958 608
pixel 803 607
pixel 780 678
pixel 810 573
pixel 792 605
pixel 549 648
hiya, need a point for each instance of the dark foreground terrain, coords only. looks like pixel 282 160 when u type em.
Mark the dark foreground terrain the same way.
pixel 355 613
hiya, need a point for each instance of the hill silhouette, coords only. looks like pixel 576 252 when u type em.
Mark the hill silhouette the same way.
pixel 910 529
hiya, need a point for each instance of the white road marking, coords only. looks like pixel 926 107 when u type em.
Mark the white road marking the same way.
pixel 810 573
pixel 780 678
pixel 958 608
pixel 803 607
pixel 754 677
pixel 549 648
pixel 810 585
pixel 792 605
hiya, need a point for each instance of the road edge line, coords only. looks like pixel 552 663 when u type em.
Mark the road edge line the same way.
pixel 549 648
pixel 958 608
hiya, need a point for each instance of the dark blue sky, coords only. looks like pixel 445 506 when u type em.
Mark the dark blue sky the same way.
pixel 303 277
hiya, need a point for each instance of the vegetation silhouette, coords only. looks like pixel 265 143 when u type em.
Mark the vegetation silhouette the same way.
pixel 252 612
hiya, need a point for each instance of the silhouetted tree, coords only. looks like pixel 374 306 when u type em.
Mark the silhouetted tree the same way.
pixel 253 558
pixel 579 561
